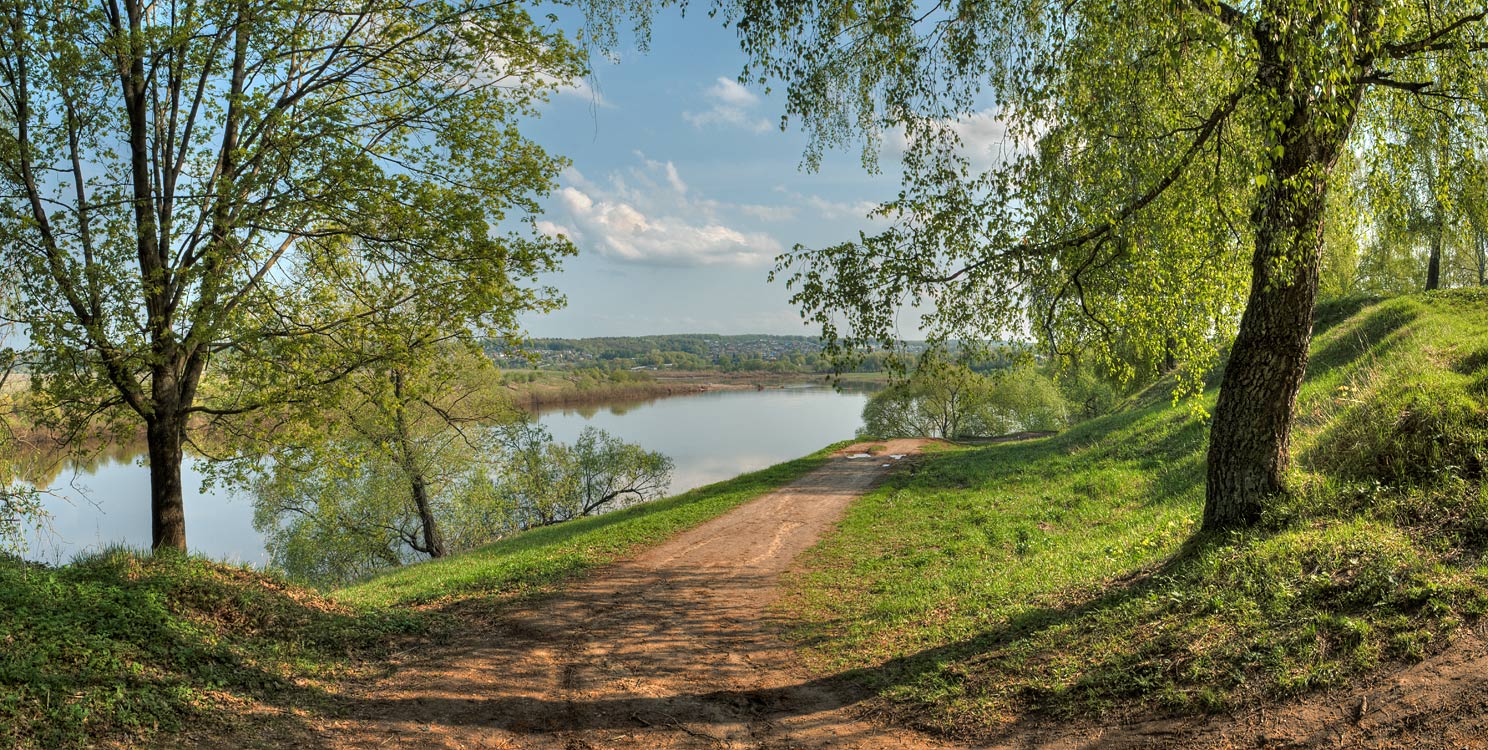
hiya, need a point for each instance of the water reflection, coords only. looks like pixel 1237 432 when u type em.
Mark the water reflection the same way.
pixel 101 496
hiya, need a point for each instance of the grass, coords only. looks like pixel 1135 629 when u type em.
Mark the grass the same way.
pixel 540 558
pixel 122 647
pixel 1063 577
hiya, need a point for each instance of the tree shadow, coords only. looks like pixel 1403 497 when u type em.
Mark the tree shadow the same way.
pixel 1340 345
pixel 470 701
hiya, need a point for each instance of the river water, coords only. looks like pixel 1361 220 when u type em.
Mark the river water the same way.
pixel 710 437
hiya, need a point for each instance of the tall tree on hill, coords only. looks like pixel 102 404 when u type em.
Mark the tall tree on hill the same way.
pixel 188 182
pixel 1168 176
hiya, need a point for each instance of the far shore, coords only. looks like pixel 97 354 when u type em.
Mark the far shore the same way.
pixel 550 394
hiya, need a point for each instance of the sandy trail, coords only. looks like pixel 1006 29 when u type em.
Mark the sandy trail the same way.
pixel 671 649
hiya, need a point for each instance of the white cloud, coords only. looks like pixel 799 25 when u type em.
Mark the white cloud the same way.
pixel 731 105
pixel 553 230
pixel 654 218
pixel 769 213
pixel 674 179
pixel 731 93
pixel 821 208
pixel 985 140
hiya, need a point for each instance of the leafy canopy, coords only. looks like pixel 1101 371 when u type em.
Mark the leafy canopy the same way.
pixel 262 182
pixel 1141 137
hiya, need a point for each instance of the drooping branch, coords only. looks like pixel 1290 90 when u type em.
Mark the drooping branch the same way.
pixel 1438 40
pixel 1104 229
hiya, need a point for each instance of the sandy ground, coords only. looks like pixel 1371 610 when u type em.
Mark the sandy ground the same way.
pixel 676 648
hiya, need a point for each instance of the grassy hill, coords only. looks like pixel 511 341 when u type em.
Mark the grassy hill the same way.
pixel 1063 577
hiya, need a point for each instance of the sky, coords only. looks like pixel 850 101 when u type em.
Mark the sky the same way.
pixel 682 191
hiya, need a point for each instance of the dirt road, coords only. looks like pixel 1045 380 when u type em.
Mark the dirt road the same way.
pixel 671 649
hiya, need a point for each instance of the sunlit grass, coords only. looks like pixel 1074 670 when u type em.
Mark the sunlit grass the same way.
pixel 1064 577
pixel 124 645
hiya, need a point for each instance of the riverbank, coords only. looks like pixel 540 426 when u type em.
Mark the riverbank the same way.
pixel 547 389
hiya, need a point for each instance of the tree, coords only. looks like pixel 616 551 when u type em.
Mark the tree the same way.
pixel 949 400
pixel 1170 169
pixel 1425 175
pixel 343 509
pixel 555 482
pixel 373 475
pixel 20 506
pixel 189 184
pixel 424 422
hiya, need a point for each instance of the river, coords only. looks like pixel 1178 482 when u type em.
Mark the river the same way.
pixel 710 436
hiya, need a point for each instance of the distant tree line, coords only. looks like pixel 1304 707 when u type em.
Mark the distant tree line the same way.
pixel 743 353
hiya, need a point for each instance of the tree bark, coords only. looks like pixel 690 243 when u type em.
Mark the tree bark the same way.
pixel 164 435
pixel 433 540
pixel 1249 441
pixel 1433 262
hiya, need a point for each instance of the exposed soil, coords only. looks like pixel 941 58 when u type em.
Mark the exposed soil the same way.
pixel 676 648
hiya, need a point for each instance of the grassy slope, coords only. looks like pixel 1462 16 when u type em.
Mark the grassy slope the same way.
pixel 1063 576
pixel 119 648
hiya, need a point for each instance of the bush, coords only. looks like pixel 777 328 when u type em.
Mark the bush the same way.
pixel 951 401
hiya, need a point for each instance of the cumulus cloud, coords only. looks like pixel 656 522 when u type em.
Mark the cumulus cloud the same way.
pixel 730 105
pixel 650 216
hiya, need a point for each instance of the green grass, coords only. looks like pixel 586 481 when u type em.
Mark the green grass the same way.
pixel 124 646
pixel 537 559
pixel 121 647
pixel 1063 577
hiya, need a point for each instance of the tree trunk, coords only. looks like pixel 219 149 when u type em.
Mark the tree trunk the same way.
pixel 433 540
pixel 164 435
pixel 1249 441
pixel 1433 263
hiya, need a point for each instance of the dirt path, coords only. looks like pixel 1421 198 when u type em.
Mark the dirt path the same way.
pixel 671 649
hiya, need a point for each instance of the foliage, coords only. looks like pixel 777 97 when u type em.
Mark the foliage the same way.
pixel 1424 178
pixel 285 191
pixel 409 464
pixel 950 400
pixel 1164 194
pixel 1060 576
pixel 702 351
pixel 598 473
pixel 1139 137
pixel 542 557
pixel 117 648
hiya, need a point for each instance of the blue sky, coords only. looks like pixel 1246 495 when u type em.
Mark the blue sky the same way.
pixel 683 189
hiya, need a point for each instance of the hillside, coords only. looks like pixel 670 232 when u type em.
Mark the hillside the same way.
pixel 1026 585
